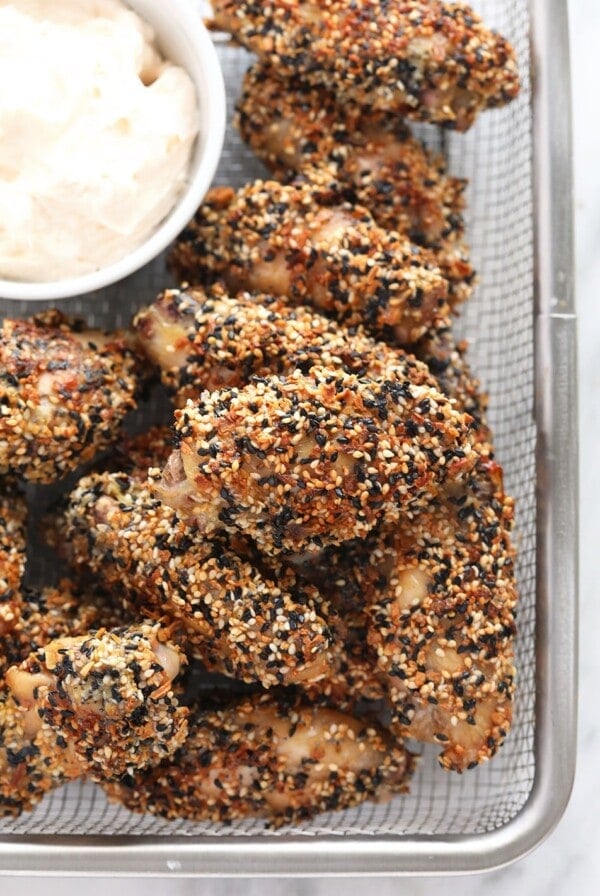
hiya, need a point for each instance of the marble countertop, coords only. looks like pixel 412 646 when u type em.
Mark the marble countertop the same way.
pixel 569 861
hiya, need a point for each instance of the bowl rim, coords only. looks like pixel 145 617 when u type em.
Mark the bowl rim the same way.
pixel 212 117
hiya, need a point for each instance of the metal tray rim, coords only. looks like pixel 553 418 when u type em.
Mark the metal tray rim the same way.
pixel 556 630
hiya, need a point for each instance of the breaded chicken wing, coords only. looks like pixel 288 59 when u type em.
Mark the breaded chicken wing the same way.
pixel 370 158
pixel 27 772
pixel 299 462
pixel 235 620
pixel 443 624
pixel 102 700
pixel 12 566
pixel 286 240
pixel 424 59
pixel 203 340
pixel 64 391
pixel 272 758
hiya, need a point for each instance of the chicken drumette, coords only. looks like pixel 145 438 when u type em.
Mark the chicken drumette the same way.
pixel 274 758
pixel 299 462
pixel 203 340
pixel 225 612
pixel 370 158
pixel 99 705
pixel 296 241
pixel 424 59
pixel 65 390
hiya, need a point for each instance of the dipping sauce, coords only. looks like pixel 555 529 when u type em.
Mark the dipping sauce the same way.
pixel 96 136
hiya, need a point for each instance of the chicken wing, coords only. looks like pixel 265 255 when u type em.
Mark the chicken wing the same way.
pixel 287 240
pixel 442 622
pixel 299 462
pixel 210 341
pixel 65 390
pixel 102 701
pixel 12 566
pixel 234 620
pixel 271 758
pixel 424 59
pixel 370 158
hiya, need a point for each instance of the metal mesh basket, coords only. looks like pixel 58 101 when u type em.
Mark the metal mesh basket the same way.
pixel 443 809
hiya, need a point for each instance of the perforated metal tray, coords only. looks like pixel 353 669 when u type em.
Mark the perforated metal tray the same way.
pixel 521 326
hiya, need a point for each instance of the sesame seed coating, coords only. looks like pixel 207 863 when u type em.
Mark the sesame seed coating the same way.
pixel 442 621
pixel 105 698
pixel 272 758
pixel 26 772
pixel 55 612
pixel 424 59
pixel 291 240
pixel 235 620
pixel 64 391
pixel 207 340
pixel 447 360
pixel 299 462
pixel 367 157
pixel 12 567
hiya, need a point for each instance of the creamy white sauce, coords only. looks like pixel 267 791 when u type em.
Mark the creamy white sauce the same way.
pixel 96 134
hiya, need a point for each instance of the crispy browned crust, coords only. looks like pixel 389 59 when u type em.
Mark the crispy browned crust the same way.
pixel 287 240
pixel 207 340
pixel 299 462
pixel 235 620
pixel 65 391
pixel 423 59
pixel 271 758
pixel 369 158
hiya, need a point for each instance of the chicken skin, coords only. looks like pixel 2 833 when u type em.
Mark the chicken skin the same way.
pixel 225 613
pixel 286 240
pixel 270 758
pixel 65 391
pixel 299 462
pixel 207 340
pixel 423 59
pixel 369 158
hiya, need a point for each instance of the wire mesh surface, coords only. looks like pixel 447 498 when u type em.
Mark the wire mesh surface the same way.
pixel 496 157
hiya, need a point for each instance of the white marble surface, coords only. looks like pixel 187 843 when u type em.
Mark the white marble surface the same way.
pixel 569 861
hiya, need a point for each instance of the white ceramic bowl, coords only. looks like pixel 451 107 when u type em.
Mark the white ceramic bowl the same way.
pixel 183 39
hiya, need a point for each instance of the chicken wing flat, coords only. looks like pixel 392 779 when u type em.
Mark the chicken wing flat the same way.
pixel 370 158
pixel 270 758
pixel 284 240
pixel 443 623
pixel 299 462
pixel 102 700
pixel 234 620
pixel 423 59
pixel 203 340
pixel 64 391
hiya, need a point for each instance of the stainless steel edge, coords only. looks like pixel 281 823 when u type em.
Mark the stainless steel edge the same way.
pixel 556 632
